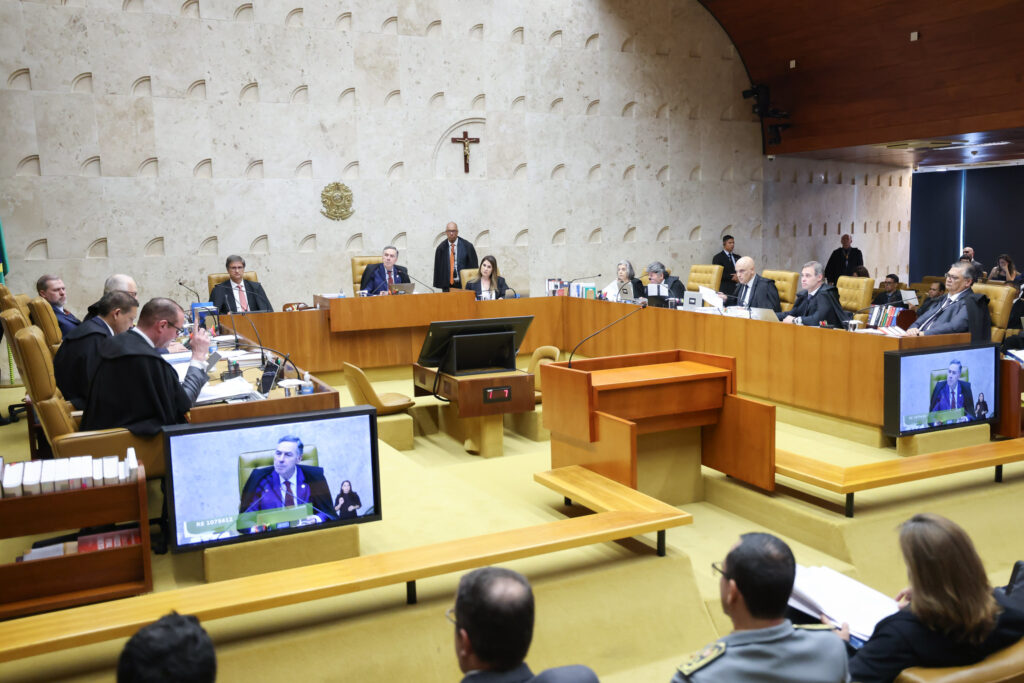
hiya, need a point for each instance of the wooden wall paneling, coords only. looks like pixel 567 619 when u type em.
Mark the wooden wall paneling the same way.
pixel 1009 400
pixel 384 312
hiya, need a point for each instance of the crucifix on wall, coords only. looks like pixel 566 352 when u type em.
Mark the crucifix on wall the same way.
pixel 465 140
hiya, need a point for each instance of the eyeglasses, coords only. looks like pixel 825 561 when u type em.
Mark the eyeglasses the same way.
pixel 181 330
pixel 953 276
pixel 717 568
pixel 450 615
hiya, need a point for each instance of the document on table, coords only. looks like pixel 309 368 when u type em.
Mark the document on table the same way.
pixel 820 590
pixel 232 388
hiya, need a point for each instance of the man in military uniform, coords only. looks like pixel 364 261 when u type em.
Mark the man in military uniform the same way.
pixel 755 584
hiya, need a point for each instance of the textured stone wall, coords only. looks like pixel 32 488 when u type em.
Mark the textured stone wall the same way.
pixel 157 136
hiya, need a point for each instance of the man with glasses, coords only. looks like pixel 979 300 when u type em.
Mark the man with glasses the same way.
pixel 133 387
pixel 755 582
pixel 493 618
pixel 953 313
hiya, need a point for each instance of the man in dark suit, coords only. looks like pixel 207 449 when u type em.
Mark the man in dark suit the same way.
pixel 754 291
pixel 78 355
pixel 843 260
pixel 377 276
pixel 890 296
pixel 968 256
pixel 493 617
pixel 952 313
pixel 287 483
pixel 727 259
pixel 954 393
pixel 51 288
pixel 818 303
pixel 453 249
pixel 936 293
pixel 236 294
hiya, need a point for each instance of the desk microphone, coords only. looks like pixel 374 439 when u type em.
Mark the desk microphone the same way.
pixel 421 283
pixel 508 286
pixel 194 292
pixel 641 306
pixel 585 277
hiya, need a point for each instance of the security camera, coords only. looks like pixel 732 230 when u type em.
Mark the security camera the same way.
pixel 771 157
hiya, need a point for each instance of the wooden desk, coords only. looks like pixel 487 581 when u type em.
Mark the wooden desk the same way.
pixel 467 418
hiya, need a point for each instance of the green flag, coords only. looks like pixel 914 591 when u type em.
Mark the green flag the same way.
pixel 4 267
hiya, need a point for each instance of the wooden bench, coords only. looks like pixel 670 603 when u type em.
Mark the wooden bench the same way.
pixel 633 514
pixel 849 480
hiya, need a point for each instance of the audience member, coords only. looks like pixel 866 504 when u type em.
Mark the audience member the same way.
pixel 493 617
pixel 236 294
pixel 861 271
pixel 1006 271
pixel 658 275
pixel 755 582
pixel 490 284
pixel 979 270
pixel 890 295
pixel 727 259
pixel 935 294
pixel 377 277
pixel 950 616
pixel 754 291
pixel 959 311
pixel 133 387
pixel 844 260
pixel 173 649
pixel 451 256
pixel 116 282
pixel 818 303
pixel 625 286
pixel 51 288
pixel 78 355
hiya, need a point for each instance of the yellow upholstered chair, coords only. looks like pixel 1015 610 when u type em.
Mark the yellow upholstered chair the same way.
pixel 927 280
pixel 855 294
pixel 467 274
pixel 13 322
pixel 542 355
pixel 19 301
pixel 787 282
pixel 704 275
pixel 247 462
pixel 46 320
pixel 214 279
pixel 59 424
pixel 359 264
pixel 1000 301
pixel 1004 666
pixel 363 393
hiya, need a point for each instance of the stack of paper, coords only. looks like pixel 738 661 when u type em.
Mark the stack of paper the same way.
pixel 820 590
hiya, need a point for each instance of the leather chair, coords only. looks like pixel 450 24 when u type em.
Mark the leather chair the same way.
pixel 704 275
pixel 787 282
pixel 12 320
pixel 542 355
pixel 215 279
pixel 296 306
pixel 61 428
pixel 247 462
pixel 467 274
pixel 855 294
pixel 19 301
pixel 46 320
pixel 359 264
pixel 1005 666
pixel 1000 301
pixel 363 393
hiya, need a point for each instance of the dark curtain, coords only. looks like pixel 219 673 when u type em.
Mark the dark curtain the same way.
pixel 935 223
pixel 994 214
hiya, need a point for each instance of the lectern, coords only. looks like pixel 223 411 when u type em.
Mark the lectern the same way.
pixel 608 413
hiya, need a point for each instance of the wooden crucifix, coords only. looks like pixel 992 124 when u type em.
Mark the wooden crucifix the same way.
pixel 465 140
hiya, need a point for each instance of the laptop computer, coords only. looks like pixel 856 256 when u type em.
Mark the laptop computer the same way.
pixel 401 288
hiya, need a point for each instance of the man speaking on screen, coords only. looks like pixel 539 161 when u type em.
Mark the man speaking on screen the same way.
pixel 288 484
pixel 954 393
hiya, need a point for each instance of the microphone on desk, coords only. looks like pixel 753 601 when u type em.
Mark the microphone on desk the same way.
pixel 508 286
pixel 181 282
pixel 585 277
pixel 641 306
pixel 421 282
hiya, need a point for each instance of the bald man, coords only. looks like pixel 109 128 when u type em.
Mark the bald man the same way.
pixel 752 290
pixel 455 250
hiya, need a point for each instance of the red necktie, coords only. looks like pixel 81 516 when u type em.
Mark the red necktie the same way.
pixel 391 279
pixel 289 499
pixel 241 298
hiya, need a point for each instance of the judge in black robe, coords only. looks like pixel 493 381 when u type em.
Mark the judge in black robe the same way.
pixel 465 257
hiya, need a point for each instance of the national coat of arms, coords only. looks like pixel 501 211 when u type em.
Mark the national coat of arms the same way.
pixel 337 201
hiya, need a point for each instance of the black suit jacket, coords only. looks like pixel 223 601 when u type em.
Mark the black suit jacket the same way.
pixel 375 278
pixel 465 257
pixel 224 298
pixel 260 493
pixel 886 299
pixel 65 321
pixel 77 359
pixel 965 392
pixel 812 310
pixel 722 259
pixel 764 295
pixel 502 287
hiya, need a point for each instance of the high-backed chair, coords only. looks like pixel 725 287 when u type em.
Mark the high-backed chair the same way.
pixel 13 321
pixel 46 320
pixel 214 279
pixel 363 393
pixel 1000 301
pixel 60 426
pixel 1004 666
pixel 19 301
pixel 467 274
pixel 247 462
pixel 787 282
pixel 704 275
pixel 359 264
pixel 542 355
pixel 855 294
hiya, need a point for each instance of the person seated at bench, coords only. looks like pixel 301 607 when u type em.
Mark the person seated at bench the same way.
pixel 951 617
pixel 890 294
pixel 490 284
pixel 493 617
pixel 755 583
pixel 174 649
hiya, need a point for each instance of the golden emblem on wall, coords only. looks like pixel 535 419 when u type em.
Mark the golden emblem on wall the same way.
pixel 337 201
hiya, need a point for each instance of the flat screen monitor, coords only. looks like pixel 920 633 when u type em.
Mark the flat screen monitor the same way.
pixel 238 480
pixel 940 388
pixel 468 346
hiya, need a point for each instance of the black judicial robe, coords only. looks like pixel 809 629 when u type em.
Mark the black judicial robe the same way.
pixel 134 387
pixel 77 358
pixel 465 257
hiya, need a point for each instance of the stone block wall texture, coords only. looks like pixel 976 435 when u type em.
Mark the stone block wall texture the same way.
pixel 155 137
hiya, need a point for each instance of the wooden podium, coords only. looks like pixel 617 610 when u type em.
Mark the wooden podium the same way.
pixel 602 412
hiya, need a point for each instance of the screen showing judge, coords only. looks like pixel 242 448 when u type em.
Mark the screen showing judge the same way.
pixel 288 484
pixel 953 394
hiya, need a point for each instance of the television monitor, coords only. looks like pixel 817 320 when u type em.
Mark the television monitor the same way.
pixel 940 388
pixel 226 480
pixel 461 347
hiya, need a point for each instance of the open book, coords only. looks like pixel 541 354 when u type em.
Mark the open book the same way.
pixel 820 590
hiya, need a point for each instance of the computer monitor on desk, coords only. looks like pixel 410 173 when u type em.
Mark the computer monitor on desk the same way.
pixel 462 347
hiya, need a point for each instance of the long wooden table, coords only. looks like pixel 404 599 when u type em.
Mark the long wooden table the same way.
pixel 827 371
